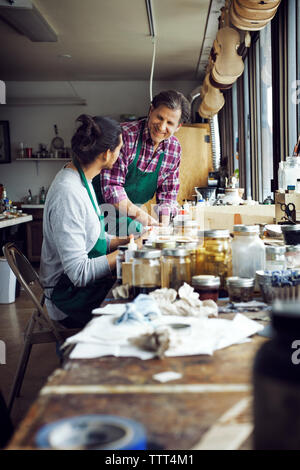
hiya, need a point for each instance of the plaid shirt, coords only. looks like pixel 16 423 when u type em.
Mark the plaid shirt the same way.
pixel 112 181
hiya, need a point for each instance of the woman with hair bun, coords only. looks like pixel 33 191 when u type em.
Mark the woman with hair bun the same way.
pixel 77 255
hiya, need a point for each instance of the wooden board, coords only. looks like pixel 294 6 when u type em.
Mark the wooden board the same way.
pixel 196 160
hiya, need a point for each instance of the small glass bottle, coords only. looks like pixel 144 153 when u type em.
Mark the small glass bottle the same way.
pixel 276 381
pixel 206 286
pixel 292 256
pixel 146 272
pixel 248 251
pixel 120 259
pixel 175 268
pixel 275 258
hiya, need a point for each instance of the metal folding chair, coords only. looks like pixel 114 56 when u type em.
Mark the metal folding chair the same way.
pixel 40 328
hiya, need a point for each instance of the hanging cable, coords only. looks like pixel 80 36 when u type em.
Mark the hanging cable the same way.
pixel 152 68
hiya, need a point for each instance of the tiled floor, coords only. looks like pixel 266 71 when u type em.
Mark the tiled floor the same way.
pixel 43 359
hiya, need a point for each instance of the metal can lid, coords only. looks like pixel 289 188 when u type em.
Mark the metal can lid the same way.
pixel 204 280
pixel 279 250
pixel 246 228
pixel 175 252
pixel 213 233
pixel 146 254
pixel 292 248
pixel 161 244
pixel 188 245
pixel 236 281
pixel 290 228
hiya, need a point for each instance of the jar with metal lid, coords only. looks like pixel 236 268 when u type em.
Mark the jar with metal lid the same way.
pixel 206 286
pixel 275 258
pixel 248 251
pixel 214 254
pixel 186 228
pixel 240 289
pixel 276 381
pixel 292 255
pixel 291 234
pixel 192 249
pixel 120 259
pixel 146 272
pixel 175 268
pixel 164 242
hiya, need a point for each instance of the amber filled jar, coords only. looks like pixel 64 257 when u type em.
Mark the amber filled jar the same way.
pixel 214 254
pixel 175 268
pixel 146 274
pixel 206 286
pixel 192 249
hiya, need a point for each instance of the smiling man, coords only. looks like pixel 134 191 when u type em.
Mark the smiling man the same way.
pixel 148 163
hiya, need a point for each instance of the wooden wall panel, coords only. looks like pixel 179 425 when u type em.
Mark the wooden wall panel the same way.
pixel 196 160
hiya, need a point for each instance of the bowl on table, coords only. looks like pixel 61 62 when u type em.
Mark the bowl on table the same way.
pixel 273 289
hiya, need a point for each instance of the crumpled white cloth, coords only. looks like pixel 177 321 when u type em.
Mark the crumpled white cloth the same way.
pixel 103 337
pixel 189 303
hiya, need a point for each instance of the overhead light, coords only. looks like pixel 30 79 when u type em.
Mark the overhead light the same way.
pixel 23 16
pixel 47 101
pixel 150 18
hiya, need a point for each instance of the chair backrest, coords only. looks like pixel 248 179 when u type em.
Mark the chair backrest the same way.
pixel 24 272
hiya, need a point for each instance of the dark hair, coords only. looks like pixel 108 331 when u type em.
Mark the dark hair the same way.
pixel 95 135
pixel 173 100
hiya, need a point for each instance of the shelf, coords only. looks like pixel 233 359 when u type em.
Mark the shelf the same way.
pixel 43 159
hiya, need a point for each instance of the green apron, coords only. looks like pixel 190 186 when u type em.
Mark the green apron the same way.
pixel 78 302
pixel 140 187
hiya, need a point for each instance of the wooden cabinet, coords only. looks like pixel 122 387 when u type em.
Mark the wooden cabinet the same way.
pixel 34 232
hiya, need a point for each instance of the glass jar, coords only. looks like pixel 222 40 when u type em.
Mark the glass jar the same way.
pixel 192 249
pixel 186 228
pixel 120 259
pixel 214 254
pixel 240 289
pixel 291 234
pixel 146 272
pixel 292 255
pixel 175 268
pixel 248 251
pixel 276 381
pixel 291 171
pixel 206 286
pixel 275 258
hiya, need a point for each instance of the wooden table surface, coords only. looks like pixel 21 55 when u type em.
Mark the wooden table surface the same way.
pixel 176 414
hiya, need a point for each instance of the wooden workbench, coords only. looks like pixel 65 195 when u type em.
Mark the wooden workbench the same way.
pixel 176 414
